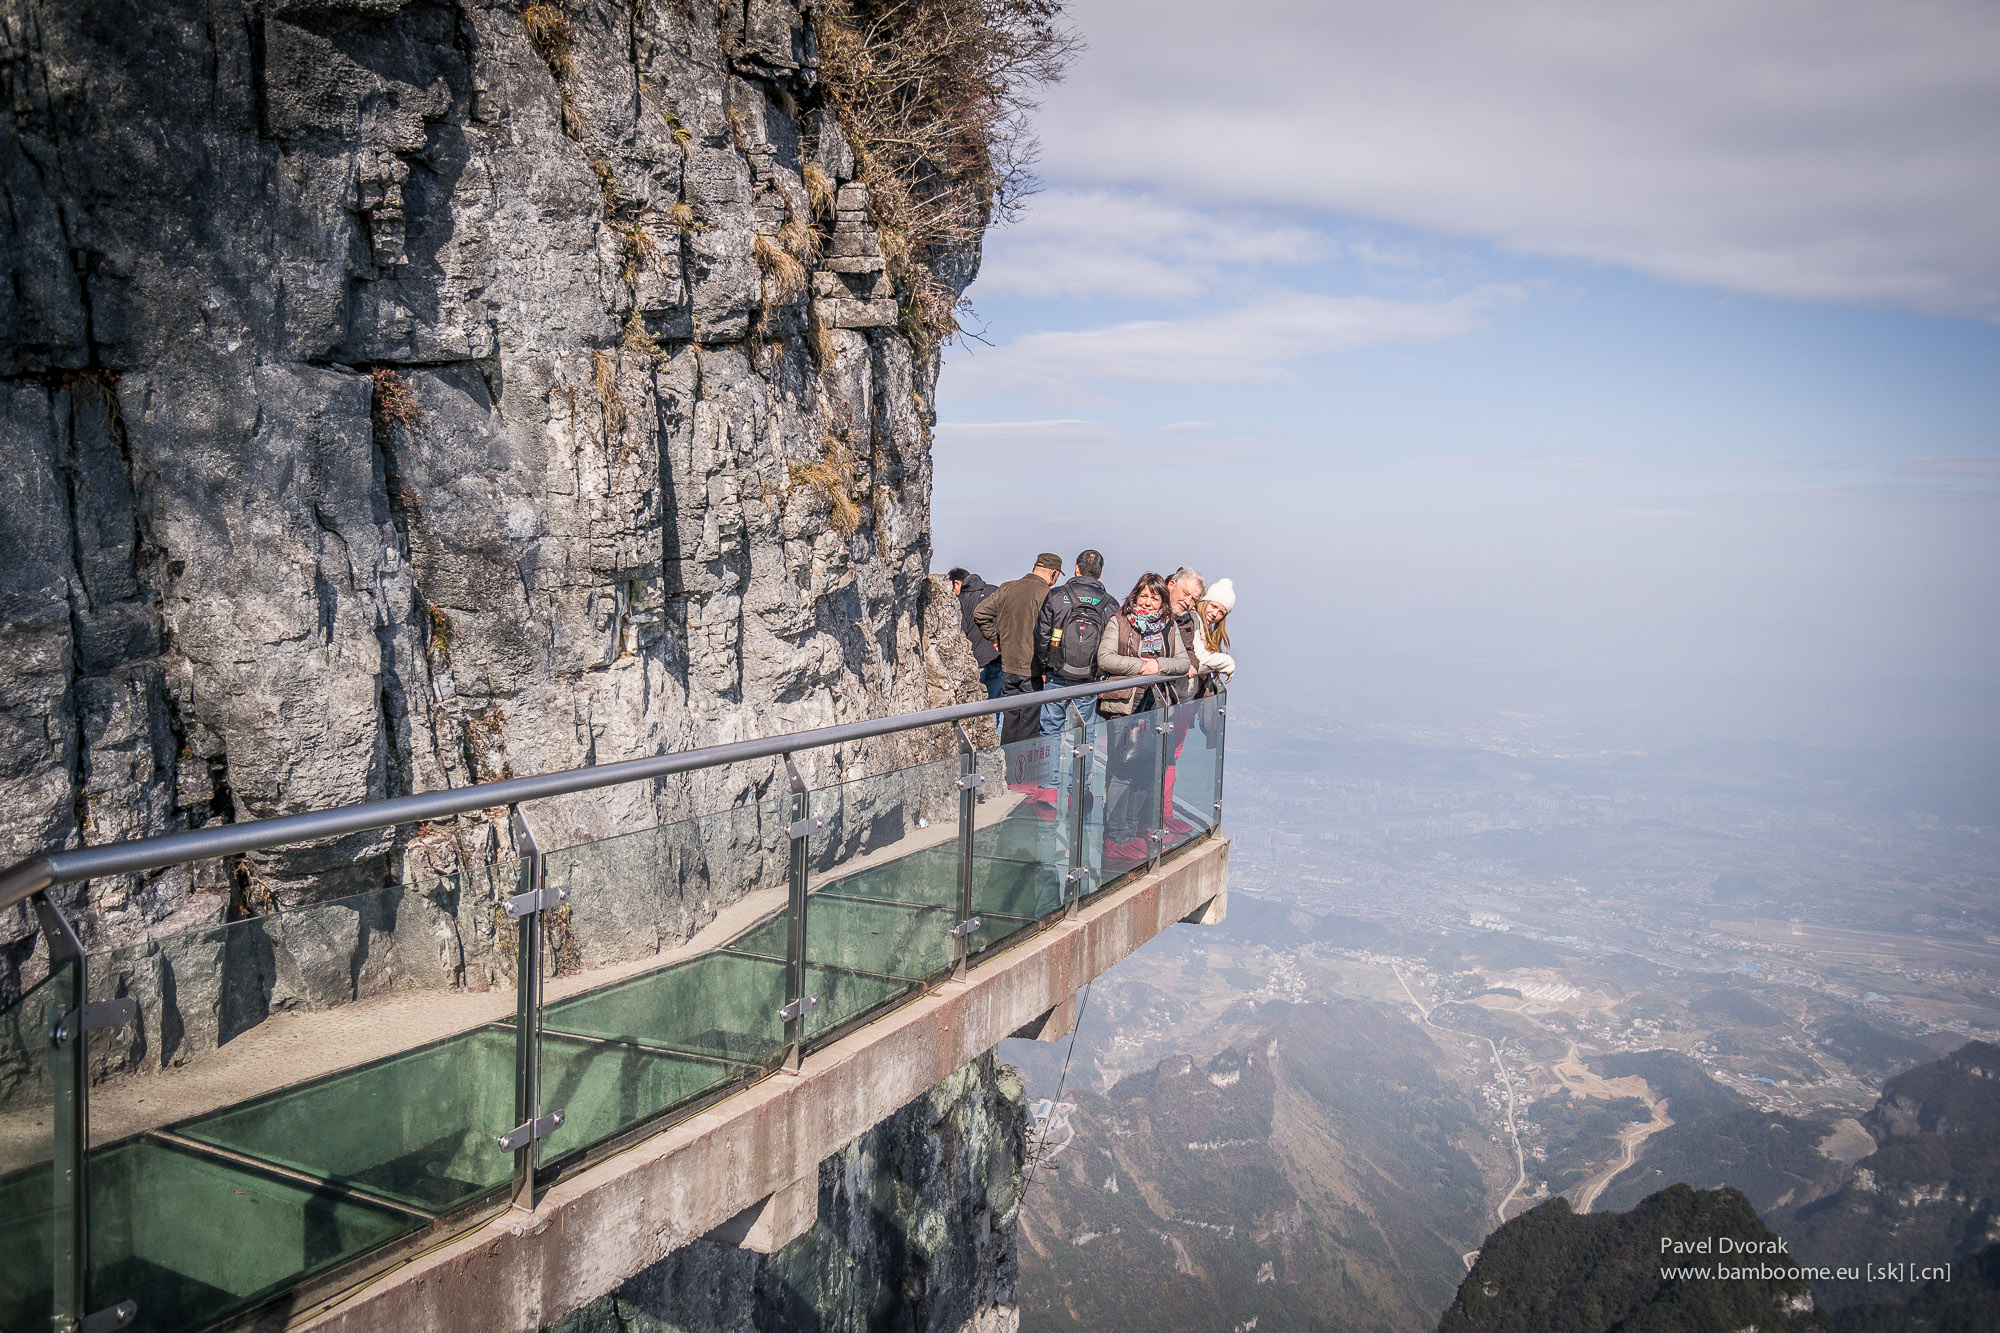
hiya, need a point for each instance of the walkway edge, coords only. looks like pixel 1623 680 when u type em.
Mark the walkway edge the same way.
pixel 520 1273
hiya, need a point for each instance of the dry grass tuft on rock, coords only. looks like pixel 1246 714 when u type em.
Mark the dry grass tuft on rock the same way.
pixel 642 251
pixel 637 337
pixel 800 239
pixel 819 338
pixel 833 477
pixel 548 31
pixel 819 190
pixel 784 275
pixel 934 96
pixel 604 377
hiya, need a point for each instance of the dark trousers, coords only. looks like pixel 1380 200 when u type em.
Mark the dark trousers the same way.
pixel 989 676
pixel 1019 724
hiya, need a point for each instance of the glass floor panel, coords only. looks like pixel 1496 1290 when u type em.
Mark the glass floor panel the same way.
pixel 605 1088
pixel 190 1238
pixel 1010 887
pixel 720 1005
pixel 886 939
pixel 418 1127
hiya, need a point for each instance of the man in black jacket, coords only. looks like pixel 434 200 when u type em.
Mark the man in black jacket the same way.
pixel 971 590
pixel 1067 632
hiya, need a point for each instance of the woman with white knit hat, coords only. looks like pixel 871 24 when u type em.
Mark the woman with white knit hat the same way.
pixel 1211 629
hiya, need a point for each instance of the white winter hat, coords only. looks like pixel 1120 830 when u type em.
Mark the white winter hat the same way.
pixel 1223 593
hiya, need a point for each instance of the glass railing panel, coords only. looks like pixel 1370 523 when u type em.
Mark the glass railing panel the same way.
pixel 1132 796
pixel 885 874
pixel 644 1014
pixel 27 1148
pixel 1024 830
pixel 316 1081
pixel 1193 750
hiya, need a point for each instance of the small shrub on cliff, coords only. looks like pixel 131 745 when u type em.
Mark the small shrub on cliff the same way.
pixel 934 97
pixel 393 404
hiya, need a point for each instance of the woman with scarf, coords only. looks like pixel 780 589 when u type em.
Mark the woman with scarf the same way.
pixel 1142 640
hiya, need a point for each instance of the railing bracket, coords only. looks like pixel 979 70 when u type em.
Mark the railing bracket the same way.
pixel 799 1008
pixel 110 1317
pixel 538 900
pixel 970 780
pixel 965 928
pixel 805 828
pixel 95 1017
pixel 527 1132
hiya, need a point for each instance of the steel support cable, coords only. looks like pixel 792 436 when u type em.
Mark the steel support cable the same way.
pixel 1062 1081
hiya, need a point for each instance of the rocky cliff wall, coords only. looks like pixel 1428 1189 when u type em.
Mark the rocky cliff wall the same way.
pixel 397 394
pixel 915 1232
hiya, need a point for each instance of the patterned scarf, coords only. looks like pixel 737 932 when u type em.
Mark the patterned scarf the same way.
pixel 1152 632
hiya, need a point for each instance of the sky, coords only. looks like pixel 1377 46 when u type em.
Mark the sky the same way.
pixel 1633 368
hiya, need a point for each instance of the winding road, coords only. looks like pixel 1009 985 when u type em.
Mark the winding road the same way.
pixel 1520 1158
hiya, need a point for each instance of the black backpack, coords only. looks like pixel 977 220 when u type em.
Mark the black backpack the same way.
pixel 1079 626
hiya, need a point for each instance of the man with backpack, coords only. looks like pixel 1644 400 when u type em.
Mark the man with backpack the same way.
pixel 1067 633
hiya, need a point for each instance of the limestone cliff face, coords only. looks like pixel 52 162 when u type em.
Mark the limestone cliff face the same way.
pixel 915 1231
pixel 397 394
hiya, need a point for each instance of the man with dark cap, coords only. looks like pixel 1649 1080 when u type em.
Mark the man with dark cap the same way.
pixel 1007 621
pixel 971 590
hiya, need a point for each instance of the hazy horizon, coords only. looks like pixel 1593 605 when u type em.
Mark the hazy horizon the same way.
pixel 1496 383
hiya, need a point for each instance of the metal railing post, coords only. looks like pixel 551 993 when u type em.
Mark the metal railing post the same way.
pixel 1079 788
pixel 69 1084
pixel 1221 735
pixel 966 923
pixel 530 1124
pixel 71 1018
pixel 1165 728
pixel 797 1003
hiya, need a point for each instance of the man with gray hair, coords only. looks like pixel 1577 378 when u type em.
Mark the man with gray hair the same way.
pixel 1184 589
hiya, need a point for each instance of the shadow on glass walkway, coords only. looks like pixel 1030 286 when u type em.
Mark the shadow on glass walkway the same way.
pixel 240 1120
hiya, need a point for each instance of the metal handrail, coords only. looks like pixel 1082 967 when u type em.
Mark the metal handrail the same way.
pixel 24 879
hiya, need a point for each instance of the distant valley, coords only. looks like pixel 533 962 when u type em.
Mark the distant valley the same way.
pixel 1314 1115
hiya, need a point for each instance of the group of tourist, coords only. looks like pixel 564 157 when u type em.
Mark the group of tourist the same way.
pixel 1031 635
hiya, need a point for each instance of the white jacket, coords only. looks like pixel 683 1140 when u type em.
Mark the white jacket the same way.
pixel 1204 660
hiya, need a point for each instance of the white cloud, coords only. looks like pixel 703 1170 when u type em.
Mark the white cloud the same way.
pixel 1843 150
pixel 1253 343
pixel 1093 243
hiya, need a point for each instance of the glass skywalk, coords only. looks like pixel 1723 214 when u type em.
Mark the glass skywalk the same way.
pixel 289 1101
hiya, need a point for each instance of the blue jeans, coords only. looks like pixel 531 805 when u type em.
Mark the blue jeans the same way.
pixel 1053 716
pixel 989 676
